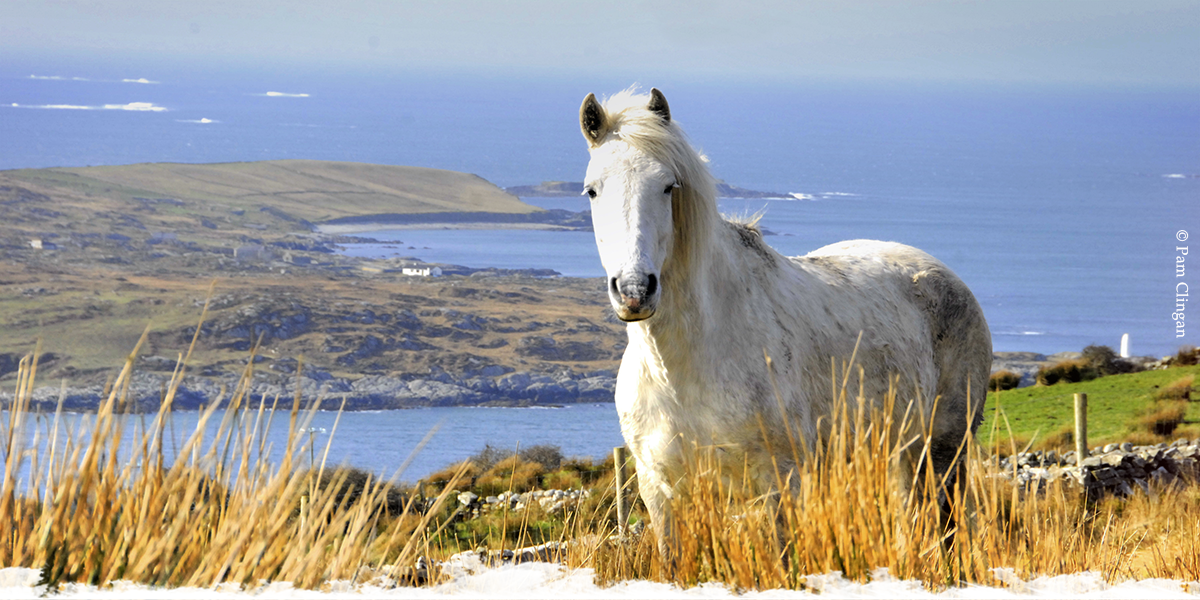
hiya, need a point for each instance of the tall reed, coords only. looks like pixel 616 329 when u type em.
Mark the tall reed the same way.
pixel 93 511
pixel 842 510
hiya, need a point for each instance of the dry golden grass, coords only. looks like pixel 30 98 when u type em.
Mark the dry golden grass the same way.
pixel 96 512
pixel 845 515
pixel 1180 389
pixel 219 514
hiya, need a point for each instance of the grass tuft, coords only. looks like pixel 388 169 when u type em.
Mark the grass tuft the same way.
pixel 1003 380
pixel 1180 389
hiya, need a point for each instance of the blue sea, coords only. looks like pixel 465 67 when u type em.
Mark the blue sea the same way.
pixel 379 441
pixel 1059 206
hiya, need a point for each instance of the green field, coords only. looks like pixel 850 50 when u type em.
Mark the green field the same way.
pixel 1115 404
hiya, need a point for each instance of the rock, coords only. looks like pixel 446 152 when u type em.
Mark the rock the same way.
pixel 1124 469
pixel 467 498
pixel 547 348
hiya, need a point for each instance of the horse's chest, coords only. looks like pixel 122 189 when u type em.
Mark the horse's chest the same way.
pixel 657 408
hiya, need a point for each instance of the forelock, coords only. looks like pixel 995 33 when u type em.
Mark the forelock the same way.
pixel 631 120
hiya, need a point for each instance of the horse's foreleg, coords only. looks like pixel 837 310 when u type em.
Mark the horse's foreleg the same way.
pixel 657 497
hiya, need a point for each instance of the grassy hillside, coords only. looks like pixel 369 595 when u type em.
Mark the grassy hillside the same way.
pixel 304 189
pixel 1044 414
pixel 90 256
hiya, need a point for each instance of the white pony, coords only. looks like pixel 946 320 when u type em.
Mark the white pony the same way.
pixel 705 298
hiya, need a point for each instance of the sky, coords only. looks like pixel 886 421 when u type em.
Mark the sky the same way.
pixel 1125 43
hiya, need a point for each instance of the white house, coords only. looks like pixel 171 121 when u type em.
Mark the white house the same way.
pixel 422 271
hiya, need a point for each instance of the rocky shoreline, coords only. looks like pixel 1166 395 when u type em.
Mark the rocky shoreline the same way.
pixel 490 386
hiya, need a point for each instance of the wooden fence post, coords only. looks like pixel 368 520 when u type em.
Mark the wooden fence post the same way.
pixel 1081 445
pixel 619 469
pixel 303 513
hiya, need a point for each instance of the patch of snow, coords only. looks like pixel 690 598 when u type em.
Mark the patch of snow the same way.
pixel 470 579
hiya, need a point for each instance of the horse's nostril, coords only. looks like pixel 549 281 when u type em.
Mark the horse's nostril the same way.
pixel 612 285
pixel 651 286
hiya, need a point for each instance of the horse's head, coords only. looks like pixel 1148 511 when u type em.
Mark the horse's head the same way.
pixel 631 195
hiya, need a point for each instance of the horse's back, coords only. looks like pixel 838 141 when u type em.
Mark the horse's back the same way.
pixel 959 339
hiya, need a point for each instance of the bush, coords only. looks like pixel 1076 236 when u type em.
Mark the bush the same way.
pixel 441 478
pixel 1003 380
pixel 490 456
pixel 1069 371
pixel 354 483
pixel 588 471
pixel 1166 417
pixel 511 473
pixel 1104 361
pixel 1186 356
pixel 1177 390
pixel 564 479
pixel 546 455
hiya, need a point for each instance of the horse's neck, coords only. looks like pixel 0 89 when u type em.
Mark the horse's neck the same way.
pixel 681 338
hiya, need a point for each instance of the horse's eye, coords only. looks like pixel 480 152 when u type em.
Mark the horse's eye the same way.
pixel 670 188
pixel 590 193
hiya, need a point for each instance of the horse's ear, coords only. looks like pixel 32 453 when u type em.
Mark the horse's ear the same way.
pixel 591 120
pixel 658 104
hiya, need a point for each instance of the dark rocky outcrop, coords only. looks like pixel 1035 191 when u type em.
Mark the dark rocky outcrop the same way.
pixel 491 385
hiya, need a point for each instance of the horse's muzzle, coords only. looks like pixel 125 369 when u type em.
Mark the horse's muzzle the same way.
pixel 634 298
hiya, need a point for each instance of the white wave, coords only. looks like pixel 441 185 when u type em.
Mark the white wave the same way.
pixel 204 120
pixel 837 194
pixel 61 78
pixel 801 196
pixel 1020 333
pixel 58 78
pixel 136 106
pixel 283 95
pixel 1175 176
pixel 56 106
pixel 132 106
